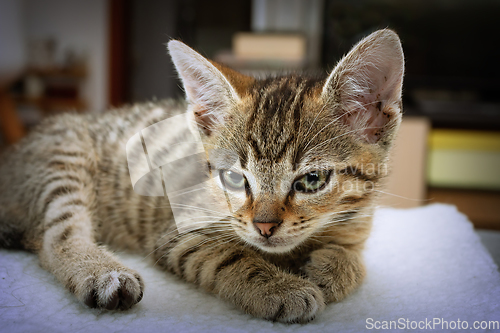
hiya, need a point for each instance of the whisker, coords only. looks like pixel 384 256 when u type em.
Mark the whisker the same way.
pixel 314 120
pixel 331 122
pixel 196 207
pixel 203 227
pixel 178 194
pixel 204 241
pixel 402 197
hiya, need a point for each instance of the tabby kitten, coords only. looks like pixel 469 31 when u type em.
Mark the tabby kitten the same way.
pixel 301 190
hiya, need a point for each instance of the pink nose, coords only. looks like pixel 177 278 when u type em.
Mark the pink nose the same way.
pixel 266 229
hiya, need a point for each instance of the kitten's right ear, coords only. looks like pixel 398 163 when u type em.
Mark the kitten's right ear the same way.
pixel 208 92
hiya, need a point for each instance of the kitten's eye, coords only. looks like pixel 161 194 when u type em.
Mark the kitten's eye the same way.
pixel 311 182
pixel 232 180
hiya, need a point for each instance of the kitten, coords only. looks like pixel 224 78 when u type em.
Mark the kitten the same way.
pixel 300 187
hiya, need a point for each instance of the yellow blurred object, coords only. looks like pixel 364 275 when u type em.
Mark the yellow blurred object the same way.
pixel 464 159
pixel 464 140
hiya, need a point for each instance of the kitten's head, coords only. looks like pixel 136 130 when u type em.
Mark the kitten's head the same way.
pixel 310 151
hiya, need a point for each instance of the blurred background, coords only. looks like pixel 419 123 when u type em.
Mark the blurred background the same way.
pixel 90 55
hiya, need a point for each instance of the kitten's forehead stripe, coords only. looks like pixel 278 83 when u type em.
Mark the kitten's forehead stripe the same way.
pixel 274 122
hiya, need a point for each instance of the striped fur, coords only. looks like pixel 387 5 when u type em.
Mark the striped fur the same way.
pixel 65 190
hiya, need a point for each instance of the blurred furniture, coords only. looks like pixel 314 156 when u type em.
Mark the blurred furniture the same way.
pixel 491 241
pixel 464 169
pixel 253 53
pixel 406 185
pixel 10 125
pixel 460 168
pixel 119 12
pixel 45 90
pixel 304 17
pixel 482 207
pixel 286 35
pixel 464 159
pixel 57 89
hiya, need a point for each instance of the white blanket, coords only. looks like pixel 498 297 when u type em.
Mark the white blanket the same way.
pixel 424 265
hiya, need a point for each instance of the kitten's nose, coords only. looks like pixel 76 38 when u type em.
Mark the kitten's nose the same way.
pixel 266 229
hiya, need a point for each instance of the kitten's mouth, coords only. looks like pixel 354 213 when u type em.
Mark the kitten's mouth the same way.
pixel 275 244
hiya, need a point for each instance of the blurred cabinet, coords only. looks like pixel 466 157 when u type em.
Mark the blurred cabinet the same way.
pixel 463 169
pixel 10 125
pixel 27 97
pixel 456 167
pixel 481 207
pixel 406 185
pixel 52 89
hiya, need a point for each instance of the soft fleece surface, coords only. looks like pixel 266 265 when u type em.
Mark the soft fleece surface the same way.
pixel 422 264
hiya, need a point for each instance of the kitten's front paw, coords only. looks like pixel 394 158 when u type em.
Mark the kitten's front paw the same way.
pixel 115 289
pixel 335 271
pixel 288 300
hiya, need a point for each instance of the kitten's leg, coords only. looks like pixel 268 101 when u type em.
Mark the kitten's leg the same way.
pixel 337 270
pixel 240 275
pixel 68 249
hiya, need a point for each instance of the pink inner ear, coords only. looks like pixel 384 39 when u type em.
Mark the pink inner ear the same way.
pixel 369 122
pixel 370 112
pixel 206 122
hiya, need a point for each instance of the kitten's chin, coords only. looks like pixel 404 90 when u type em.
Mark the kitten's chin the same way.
pixel 277 245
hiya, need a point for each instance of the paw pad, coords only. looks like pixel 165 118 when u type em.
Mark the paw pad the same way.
pixel 114 290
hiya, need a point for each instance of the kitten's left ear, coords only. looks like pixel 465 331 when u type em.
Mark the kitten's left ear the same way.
pixel 208 90
pixel 365 87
